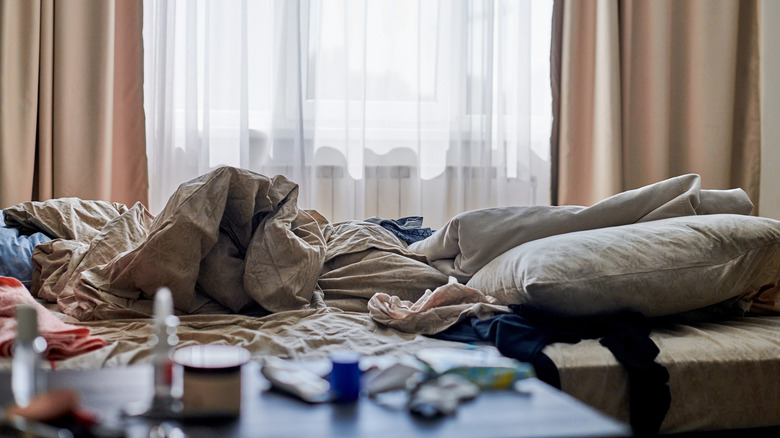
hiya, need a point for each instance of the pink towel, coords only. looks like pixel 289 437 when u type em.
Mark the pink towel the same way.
pixel 64 340
pixel 435 310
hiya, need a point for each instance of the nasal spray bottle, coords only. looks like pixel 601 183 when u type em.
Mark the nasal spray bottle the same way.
pixel 27 378
pixel 167 391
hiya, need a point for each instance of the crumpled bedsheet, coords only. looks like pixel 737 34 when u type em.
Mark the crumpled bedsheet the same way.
pixel 306 334
pixel 228 241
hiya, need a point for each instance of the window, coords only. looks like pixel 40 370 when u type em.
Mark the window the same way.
pixel 437 90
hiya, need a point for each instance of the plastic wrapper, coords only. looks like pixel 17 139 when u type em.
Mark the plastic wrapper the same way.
pixel 293 379
pixel 484 367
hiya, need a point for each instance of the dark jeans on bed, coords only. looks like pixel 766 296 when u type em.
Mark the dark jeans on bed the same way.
pixel 523 334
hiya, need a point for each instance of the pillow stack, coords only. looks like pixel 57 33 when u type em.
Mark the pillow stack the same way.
pixel 656 268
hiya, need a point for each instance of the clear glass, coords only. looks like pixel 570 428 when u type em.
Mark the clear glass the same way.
pixel 167 379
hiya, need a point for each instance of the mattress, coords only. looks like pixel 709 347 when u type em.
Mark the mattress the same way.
pixel 722 375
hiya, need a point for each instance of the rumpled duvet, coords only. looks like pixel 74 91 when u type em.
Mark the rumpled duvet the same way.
pixel 228 240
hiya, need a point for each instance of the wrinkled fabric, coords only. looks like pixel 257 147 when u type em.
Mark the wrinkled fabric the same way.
pixel 364 259
pixel 232 232
pixel 472 239
pixel 66 218
pixel 227 242
pixel 62 340
pixel 409 229
pixel 306 334
pixel 70 272
pixel 436 310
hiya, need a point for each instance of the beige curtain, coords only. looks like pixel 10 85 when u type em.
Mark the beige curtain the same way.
pixel 71 101
pixel 654 89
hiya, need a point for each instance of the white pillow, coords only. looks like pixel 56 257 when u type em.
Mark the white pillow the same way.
pixel 656 268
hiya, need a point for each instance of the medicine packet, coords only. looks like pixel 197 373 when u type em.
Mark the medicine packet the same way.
pixel 485 367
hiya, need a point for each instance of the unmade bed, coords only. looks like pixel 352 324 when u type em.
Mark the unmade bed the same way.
pixel 248 267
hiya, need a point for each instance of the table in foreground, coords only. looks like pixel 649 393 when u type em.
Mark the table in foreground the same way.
pixel 537 410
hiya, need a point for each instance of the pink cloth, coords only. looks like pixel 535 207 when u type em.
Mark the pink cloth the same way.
pixel 435 311
pixel 63 340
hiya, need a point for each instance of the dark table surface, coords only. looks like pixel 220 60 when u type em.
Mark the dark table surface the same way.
pixel 536 410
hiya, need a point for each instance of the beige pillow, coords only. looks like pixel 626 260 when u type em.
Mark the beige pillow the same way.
pixel 657 268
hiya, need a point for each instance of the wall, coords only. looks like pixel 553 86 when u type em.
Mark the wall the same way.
pixel 769 201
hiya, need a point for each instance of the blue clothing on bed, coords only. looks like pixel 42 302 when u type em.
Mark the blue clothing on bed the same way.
pixel 525 332
pixel 16 252
pixel 409 229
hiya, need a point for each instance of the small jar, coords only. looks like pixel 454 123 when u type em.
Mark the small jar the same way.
pixel 345 376
pixel 211 379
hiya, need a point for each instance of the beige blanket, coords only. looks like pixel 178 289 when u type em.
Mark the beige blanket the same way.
pixel 228 241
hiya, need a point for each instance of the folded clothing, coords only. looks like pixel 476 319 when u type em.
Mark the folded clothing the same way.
pixel 63 340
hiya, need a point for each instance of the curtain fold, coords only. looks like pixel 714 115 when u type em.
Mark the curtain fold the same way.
pixel 20 42
pixel 72 111
pixel 650 90
pixel 374 107
pixel 556 47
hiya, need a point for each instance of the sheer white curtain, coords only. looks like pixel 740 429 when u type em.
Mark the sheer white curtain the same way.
pixel 381 108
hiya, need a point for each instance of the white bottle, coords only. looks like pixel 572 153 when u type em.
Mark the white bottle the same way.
pixel 166 391
pixel 27 378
